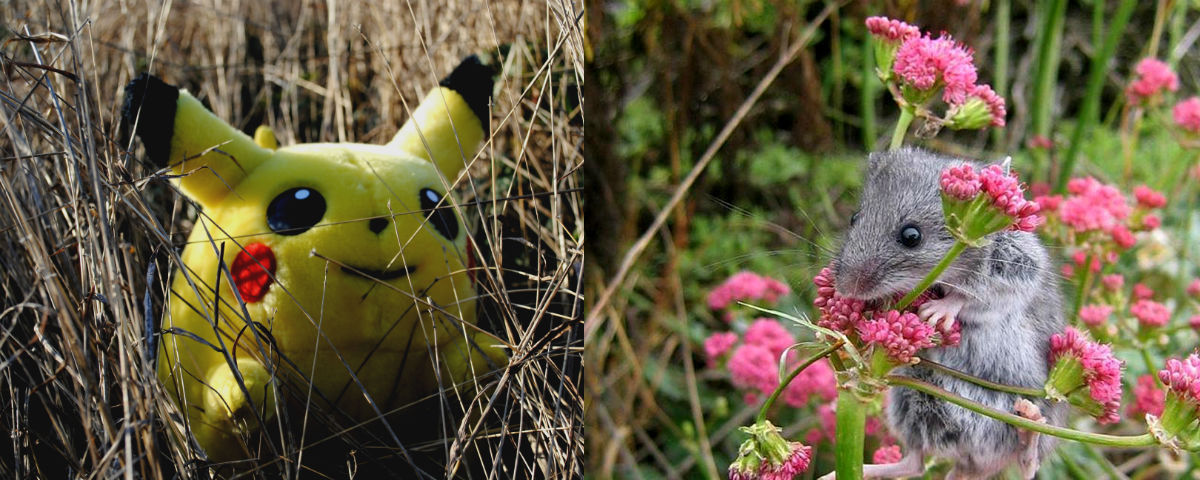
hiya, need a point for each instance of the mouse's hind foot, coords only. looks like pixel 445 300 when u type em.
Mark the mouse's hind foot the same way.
pixel 1029 459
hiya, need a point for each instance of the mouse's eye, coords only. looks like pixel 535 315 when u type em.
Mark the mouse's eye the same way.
pixel 295 211
pixel 854 217
pixel 440 216
pixel 910 236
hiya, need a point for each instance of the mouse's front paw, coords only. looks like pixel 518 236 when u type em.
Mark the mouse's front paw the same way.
pixel 941 312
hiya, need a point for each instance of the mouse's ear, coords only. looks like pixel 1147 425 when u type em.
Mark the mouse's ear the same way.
pixel 211 156
pixel 448 125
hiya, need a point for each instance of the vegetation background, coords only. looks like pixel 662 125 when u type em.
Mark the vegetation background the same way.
pixel 84 218
pixel 681 74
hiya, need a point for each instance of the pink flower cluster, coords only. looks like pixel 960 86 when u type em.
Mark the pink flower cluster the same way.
pixel 1093 206
pixel 1150 313
pixel 1142 292
pixel 961 182
pixel 754 365
pixel 718 344
pixel 887 454
pixel 891 30
pixel 1187 114
pixel 1004 189
pixel 901 334
pixel 1095 315
pixel 1193 288
pixel 925 63
pixel 994 102
pixel 836 312
pixel 768 456
pixel 746 286
pixel 817 380
pixel 1101 370
pixel 1147 397
pixel 1113 282
pixel 1148 197
pixel 1153 77
pixel 1183 378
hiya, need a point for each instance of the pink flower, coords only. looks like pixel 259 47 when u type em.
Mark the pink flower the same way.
pixel 1141 291
pixel 1193 288
pixel 746 286
pixel 961 182
pixel 768 456
pixel 827 415
pixel 753 366
pixel 994 102
pixel 887 454
pixel 1150 313
pixel 901 334
pixel 768 333
pixel 1187 114
pixel 925 63
pixel 891 30
pixel 1151 222
pixel 1101 373
pixel 1148 197
pixel 718 344
pixel 1123 237
pixel 1093 206
pixel 836 312
pixel 1095 315
pixel 1039 142
pixel 1182 377
pixel 817 380
pixel 1147 397
pixel 1113 282
pixel 1008 196
pixel 1049 203
pixel 1194 322
pixel 1154 76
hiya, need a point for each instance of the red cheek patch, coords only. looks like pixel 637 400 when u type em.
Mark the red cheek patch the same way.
pixel 253 270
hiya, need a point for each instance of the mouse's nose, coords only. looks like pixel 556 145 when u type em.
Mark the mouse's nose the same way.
pixel 377 225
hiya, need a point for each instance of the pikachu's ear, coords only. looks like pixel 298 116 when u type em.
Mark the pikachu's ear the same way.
pixel 448 125
pixel 177 131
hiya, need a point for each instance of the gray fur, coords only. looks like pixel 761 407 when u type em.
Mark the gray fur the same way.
pixel 1012 307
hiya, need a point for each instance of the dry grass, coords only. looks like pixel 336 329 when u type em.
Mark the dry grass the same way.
pixel 87 228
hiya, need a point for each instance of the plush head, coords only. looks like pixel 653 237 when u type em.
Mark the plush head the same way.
pixel 340 264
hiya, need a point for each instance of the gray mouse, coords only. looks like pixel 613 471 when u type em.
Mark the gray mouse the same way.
pixel 1004 295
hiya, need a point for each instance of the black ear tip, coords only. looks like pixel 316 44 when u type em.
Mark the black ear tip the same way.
pixel 149 110
pixel 473 80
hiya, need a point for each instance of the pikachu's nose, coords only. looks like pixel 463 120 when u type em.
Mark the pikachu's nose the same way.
pixel 377 225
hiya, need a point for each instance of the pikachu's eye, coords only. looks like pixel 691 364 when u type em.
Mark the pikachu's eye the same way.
pixel 295 211
pixel 440 216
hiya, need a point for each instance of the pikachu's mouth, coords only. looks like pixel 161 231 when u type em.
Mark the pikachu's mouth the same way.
pixel 371 274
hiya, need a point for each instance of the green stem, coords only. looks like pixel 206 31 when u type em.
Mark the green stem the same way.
pixel 1084 285
pixel 1096 76
pixel 762 412
pixel 869 92
pixel 907 113
pixel 1151 368
pixel 1048 40
pixel 1029 392
pixel 1144 440
pixel 1104 463
pixel 851 431
pixel 1000 67
pixel 933 275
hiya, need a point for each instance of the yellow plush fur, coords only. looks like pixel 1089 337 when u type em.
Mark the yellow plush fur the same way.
pixel 318 320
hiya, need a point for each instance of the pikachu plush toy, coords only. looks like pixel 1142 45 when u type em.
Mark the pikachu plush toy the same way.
pixel 329 275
